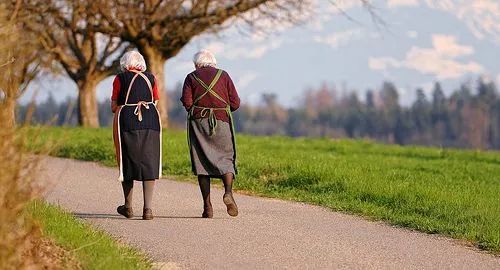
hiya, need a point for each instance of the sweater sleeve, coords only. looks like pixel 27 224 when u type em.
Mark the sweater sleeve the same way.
pixel 187 94
pixel 116 88
pixel 234 99
pixel 156 96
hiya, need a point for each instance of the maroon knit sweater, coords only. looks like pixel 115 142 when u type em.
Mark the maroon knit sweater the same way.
pixel 224 88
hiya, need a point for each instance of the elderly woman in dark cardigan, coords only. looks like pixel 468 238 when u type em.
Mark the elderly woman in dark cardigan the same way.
pixel 209 97
pixel 136 131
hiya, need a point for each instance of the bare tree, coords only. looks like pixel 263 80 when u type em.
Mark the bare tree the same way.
pixel 161 28
pixel 86 56
pixel 72 30
pixel 20 59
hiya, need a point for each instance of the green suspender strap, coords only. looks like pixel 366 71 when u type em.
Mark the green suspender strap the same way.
pixel 212 120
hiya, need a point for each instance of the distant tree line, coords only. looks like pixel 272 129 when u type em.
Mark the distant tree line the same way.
pixel 468 118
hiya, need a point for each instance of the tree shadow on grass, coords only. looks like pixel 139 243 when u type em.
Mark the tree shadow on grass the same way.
pixel 117 216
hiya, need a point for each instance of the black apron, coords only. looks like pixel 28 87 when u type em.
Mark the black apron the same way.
pixel 138 129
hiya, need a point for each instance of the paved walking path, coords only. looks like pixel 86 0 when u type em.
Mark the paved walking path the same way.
pixel 268 234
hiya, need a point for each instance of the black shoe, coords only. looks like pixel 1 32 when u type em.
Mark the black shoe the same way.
pixel 208 212
pixel 232 208
pixel 147 214
pixel 124 211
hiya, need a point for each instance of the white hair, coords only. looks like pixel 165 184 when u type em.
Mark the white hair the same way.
pixel 132 60
pixel 204 58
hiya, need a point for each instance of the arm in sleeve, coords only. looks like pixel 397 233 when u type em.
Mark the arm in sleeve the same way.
pixel 116 88
pixel 156 95
pixel 114 95
pixel 234 99
pixel 187 94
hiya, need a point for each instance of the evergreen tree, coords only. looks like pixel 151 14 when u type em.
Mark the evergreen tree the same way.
pixel 421 113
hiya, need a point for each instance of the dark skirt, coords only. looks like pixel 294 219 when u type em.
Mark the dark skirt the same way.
pixel 138 151
pixel 212 155
pixel 140 154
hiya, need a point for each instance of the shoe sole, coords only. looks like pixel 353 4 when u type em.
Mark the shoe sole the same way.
pixel 147 215
pixel 125 215
pixel 207 216
pixel 232 208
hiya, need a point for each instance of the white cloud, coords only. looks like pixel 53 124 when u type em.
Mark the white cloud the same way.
pixel 498 80
pixel 244 48
pixel 482 17
pixel 317 22
pixel 254 51
pixel 440 60
pixel 447 45
pixel 428 87
pixel 243 81
pixel 279 21
pixel 402 3
pixel 261 38
pixel 336 7
pixel 383 63
pixel 323 11
pixel 429 61
pixel 182 67
pixel 338 39
pixel 412 34
pixel 216 47
pixel 487 78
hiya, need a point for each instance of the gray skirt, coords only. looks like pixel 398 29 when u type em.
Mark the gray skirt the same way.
pixel 212 155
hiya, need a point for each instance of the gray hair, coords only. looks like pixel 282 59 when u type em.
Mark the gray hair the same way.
pixel 132 60
pixel 204 58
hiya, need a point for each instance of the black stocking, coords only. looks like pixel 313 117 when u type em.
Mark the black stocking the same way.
pixel 227 179
pixel 127 192
pixel 204 182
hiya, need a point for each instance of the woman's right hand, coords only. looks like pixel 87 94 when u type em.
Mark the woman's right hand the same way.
pixel 114 106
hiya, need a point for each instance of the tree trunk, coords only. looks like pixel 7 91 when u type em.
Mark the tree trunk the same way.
pixel 7 113
pixel 156 64
pixel 87 103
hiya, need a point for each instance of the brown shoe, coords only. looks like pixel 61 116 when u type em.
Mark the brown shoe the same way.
pixel 125 211
pixel 208 212
pixel 232 208
pixel 147 214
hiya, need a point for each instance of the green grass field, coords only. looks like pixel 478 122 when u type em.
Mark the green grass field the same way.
pixel 451 192
pixel 93 249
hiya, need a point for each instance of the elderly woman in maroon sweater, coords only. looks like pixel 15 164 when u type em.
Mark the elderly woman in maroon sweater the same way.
pixel 209 97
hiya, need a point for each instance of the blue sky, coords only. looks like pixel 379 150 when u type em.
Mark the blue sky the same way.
pixel 423 41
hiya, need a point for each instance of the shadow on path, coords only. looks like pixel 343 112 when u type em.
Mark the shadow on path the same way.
pixel 117 216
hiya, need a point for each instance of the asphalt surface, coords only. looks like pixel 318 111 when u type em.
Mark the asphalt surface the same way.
pixel 268 233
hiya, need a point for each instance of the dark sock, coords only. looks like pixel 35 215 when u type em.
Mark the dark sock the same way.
pixel 227 179
pixel 148 190
pixel 204 182
pixel 127 192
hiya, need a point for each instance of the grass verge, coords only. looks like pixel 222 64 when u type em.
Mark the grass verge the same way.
pixel 92 248
pixel 445 191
